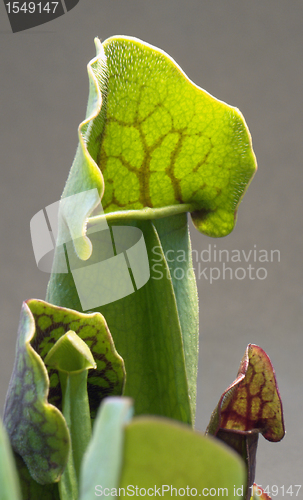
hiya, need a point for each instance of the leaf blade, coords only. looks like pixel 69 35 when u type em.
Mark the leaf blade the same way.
pixel 161 452
pixel 102 462
pixel 10 488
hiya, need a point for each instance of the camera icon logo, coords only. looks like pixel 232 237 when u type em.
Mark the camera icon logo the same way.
pixel 117 267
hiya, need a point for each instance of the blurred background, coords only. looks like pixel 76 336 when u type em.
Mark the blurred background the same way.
pixel 248 54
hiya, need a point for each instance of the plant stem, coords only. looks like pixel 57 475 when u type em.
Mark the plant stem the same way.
pixel 77 416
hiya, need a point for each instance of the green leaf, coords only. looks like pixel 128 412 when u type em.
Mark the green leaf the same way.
pixel 36 427
pixel 147 332
pixel 153 146
pixel 72 358
pixel 148 452
pixel 103 460
pixel 173 233
pixel 70 354
pixel 10 489
pixel 159 453
pixel 170 141
pixel 31 490
pixel 52 322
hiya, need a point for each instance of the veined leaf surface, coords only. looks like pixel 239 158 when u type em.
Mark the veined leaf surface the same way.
pixel 153 146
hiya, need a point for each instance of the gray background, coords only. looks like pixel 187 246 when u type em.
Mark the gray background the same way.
pixel 246 53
